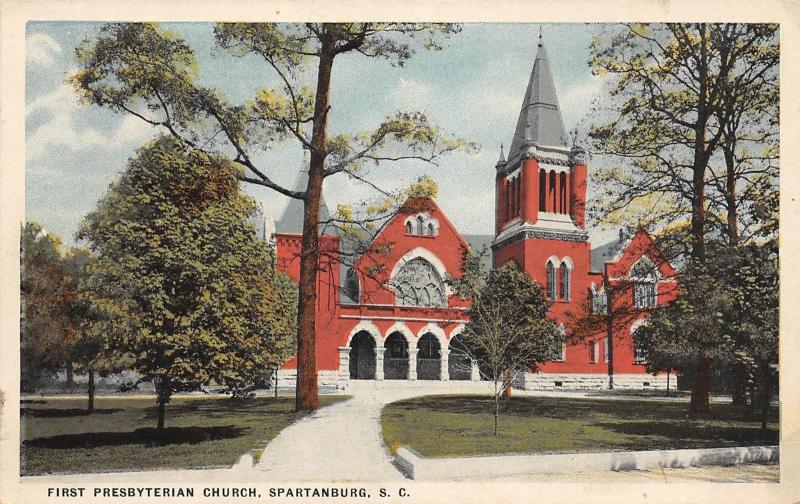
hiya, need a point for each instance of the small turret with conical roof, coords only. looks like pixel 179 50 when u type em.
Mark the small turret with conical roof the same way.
pixel 291 220
pixel 501 162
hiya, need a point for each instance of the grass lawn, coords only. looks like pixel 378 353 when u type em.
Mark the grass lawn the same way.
pixel 58 437
pixel 447 426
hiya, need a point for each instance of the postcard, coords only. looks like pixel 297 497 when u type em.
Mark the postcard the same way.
pixel 342 252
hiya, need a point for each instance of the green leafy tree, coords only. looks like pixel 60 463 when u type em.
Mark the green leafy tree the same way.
pixel 181 283
pixel 89 352
pixel 508 331
pixel 692 119
pixel 146 71
pixel 45 338
pixel 692 331
pixel 681 94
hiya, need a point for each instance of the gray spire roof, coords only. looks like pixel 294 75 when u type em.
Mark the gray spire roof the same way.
pixel 502 156
pixel 539 118
pixel 291 221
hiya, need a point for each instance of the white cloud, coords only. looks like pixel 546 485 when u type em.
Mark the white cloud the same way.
pixel 60 131
pixel 410 93
pixel 40 49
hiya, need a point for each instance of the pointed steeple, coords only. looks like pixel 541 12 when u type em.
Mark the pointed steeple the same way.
pixel 291 221
pixel 540 117
pixel 502 159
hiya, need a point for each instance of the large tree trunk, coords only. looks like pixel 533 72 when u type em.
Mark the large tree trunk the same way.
pixel 610 336
pixel 700 160
pixel 90 391
pixel 764 393
pixel 730 193
pixel 307 398
pixel 163 393
pixel 739 392
pixel 496 406
pixel 70 373
pixel 702 386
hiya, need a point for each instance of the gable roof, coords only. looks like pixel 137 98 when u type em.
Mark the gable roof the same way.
pixel 606 252
pixel 539 119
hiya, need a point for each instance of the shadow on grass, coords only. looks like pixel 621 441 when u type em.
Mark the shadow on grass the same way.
pixel 224 407
pixel 145 436
pixel 64 412
pixel 694 435
pixel 566 409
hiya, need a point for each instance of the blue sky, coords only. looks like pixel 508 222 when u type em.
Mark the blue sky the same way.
pixel 473 89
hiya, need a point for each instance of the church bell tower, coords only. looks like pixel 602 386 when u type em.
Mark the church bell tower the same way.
pixel 541 188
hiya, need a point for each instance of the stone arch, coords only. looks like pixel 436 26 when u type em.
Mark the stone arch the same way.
pixel 423 253
pixel 368 327
pixel 459 362
pixel 363 362
pixel 402 328
pixel 429 357
pixel 396 357
pixel 437 331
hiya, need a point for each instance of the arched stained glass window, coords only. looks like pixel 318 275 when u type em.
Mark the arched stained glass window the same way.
pixel 431 230
pixel 551 281
pixel 409 228
pixel 352 286
pixel 419 284
pixel 420 225
pixel 565 274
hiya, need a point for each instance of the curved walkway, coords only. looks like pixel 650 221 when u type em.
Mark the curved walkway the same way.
pixel 343 442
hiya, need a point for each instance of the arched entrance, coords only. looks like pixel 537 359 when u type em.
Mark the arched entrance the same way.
pixel 459 364
pixel 362 357
pixel 395 360
pixel 429 358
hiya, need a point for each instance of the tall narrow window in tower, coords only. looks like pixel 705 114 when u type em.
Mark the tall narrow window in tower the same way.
pixel 563 189
pixel 518 198
pixel 551 207
pixel 420 225
pixel 542 190
pixel 551 281
pixel 564 274
pixel 514 195
pixel 409 228
pixel 510 201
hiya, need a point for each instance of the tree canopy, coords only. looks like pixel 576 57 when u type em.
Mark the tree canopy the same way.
pixel 181 282
pixel 508 331
pixel 45 337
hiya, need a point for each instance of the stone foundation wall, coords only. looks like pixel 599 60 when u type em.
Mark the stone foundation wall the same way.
pixel 553 381
pixel 328 381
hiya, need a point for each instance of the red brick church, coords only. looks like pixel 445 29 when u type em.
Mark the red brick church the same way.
pixel 402 322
